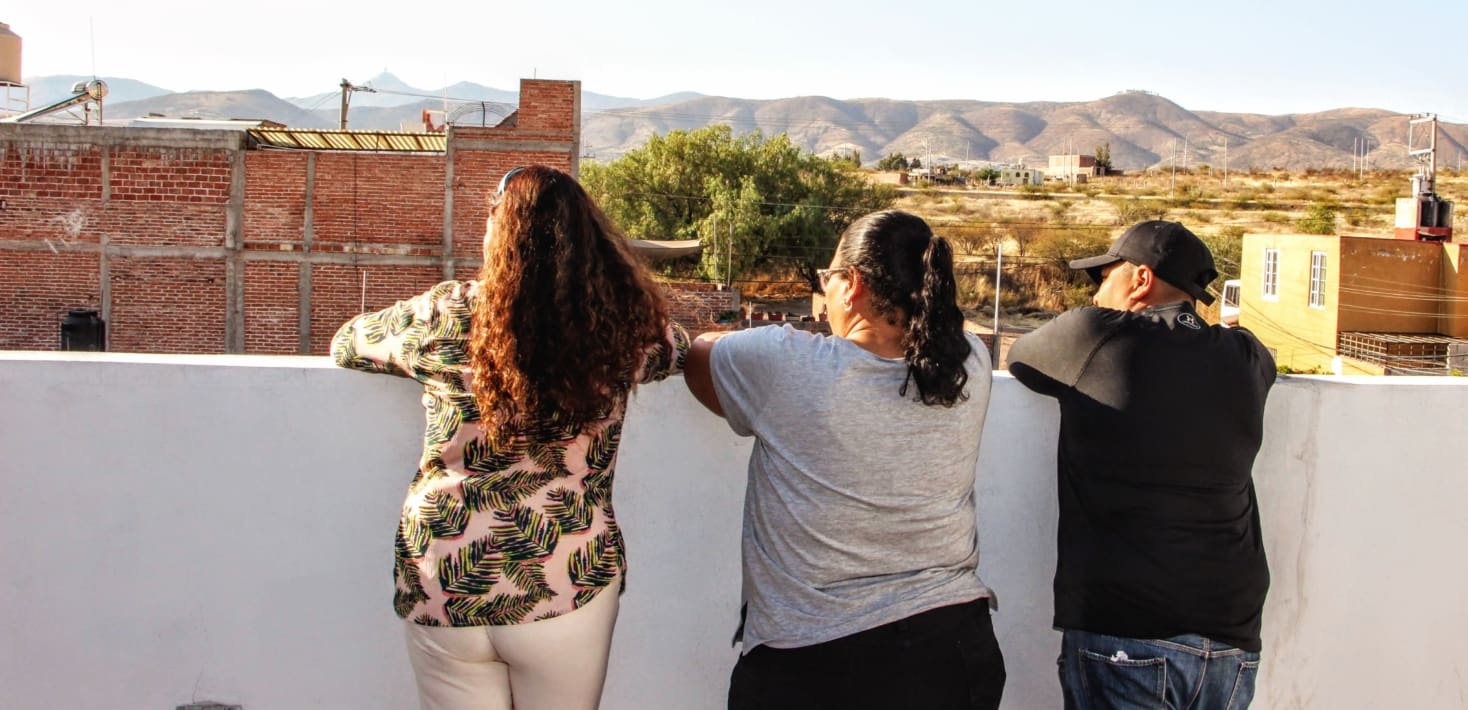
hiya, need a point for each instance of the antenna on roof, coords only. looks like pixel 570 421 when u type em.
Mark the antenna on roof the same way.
pixel 1424 216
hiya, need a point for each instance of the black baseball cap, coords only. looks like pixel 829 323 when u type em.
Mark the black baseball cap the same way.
pixel 1173 252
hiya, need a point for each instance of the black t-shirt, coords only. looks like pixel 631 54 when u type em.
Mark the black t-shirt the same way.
pixel 1161 416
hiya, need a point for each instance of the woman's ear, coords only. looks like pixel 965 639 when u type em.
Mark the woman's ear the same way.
pixel 856 286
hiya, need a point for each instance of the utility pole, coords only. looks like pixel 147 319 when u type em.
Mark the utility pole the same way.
pixel 1071 163
pixel 1172 183
pixel 347 89
pixel 998 276
pixel 346 100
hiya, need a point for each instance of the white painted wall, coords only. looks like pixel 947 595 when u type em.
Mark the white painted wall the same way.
pixel 189 528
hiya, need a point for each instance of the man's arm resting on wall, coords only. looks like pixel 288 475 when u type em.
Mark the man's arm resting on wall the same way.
pixel 1050 359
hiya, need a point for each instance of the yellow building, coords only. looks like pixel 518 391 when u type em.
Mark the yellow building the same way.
pixel 1356 305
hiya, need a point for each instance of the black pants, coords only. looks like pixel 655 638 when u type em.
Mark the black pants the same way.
pixel 939 659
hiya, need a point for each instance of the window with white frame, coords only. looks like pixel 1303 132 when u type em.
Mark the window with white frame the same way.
pixel 1271 275
pixel 1317 279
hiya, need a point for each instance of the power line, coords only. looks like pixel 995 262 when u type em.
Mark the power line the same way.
pixel 500 104
pixel 1399 312
pixel 1404 295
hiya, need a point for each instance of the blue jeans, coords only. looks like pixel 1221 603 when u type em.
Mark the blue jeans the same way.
pixel 1189 672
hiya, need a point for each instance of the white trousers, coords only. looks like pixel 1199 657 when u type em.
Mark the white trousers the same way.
pixel 555 664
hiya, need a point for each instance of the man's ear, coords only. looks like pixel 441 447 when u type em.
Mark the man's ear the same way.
pixel 1143 280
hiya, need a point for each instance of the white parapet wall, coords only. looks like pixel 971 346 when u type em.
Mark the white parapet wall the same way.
pixel 181 529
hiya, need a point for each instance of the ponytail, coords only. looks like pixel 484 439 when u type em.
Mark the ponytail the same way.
pixel 910 270
pixel 935 344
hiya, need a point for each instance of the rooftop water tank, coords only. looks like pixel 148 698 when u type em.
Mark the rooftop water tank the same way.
pixel 9 55
pixel 83 329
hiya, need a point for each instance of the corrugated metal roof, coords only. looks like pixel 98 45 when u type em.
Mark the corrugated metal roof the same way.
pixel 318 139
pixel 665 249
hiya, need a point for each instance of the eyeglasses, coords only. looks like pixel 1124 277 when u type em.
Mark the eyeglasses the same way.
pixel 506 179
pixel 825 274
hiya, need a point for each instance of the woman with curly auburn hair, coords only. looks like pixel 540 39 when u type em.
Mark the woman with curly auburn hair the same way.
pixel 509 558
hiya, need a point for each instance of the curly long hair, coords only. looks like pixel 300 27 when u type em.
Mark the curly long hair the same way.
pixel 911 275
pixel 565 309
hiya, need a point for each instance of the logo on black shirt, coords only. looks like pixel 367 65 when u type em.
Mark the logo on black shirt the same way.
pixel 1189 320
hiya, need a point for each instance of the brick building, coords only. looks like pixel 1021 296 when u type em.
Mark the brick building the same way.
pixel 1072 167
pixel 213 241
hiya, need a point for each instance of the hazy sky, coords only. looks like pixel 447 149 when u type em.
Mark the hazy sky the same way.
pixel 1274 57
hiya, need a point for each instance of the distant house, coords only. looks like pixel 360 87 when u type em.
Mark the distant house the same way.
pixel 1072 168
pixel 1357 305
pixel 939 175
pixel 1019 176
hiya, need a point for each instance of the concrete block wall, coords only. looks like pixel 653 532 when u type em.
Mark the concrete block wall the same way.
pixel 152 564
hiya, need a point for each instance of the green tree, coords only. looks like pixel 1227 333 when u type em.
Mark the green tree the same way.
pixel 893 162
pixel 1103 157
pixel 1319 220
pixel 987 175
pixel 1227 246
pixel 783 204
pixel 914 163
pixel 850 160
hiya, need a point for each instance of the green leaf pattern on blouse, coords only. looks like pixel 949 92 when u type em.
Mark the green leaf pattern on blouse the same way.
pixel 494 535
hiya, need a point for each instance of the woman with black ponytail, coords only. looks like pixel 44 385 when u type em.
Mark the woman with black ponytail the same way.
pixel 860 543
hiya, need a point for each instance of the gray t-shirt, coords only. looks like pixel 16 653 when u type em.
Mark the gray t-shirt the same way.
pixel 859 509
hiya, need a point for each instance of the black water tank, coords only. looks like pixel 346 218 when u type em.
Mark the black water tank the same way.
pixel 83 329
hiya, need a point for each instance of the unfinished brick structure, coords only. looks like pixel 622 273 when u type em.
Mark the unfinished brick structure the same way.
pixel 204 241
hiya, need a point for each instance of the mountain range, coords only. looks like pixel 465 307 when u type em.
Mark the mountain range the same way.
pixel 1143 130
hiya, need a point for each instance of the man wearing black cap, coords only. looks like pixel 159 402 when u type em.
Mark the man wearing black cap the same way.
pixel 1161 576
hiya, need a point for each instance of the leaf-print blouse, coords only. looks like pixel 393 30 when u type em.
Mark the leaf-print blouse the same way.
pixel 494 536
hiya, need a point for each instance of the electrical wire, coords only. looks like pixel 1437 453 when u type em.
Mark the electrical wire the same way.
pixel 500 104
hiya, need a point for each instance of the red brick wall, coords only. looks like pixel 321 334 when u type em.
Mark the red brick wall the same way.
pixel 52 201
pixel 36 291
pixel 52 193
pixel 166 306
pixel 337 294
pixel 550 106
pixel 379 199
pixel 272 308
pixel 167 197
pixel 697 306
pixel 45 172
pixel 275 198
pixel 162 223
pixel 171 175
pixel 164 213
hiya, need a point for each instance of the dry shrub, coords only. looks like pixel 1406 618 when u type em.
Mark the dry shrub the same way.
pixel 1130 210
